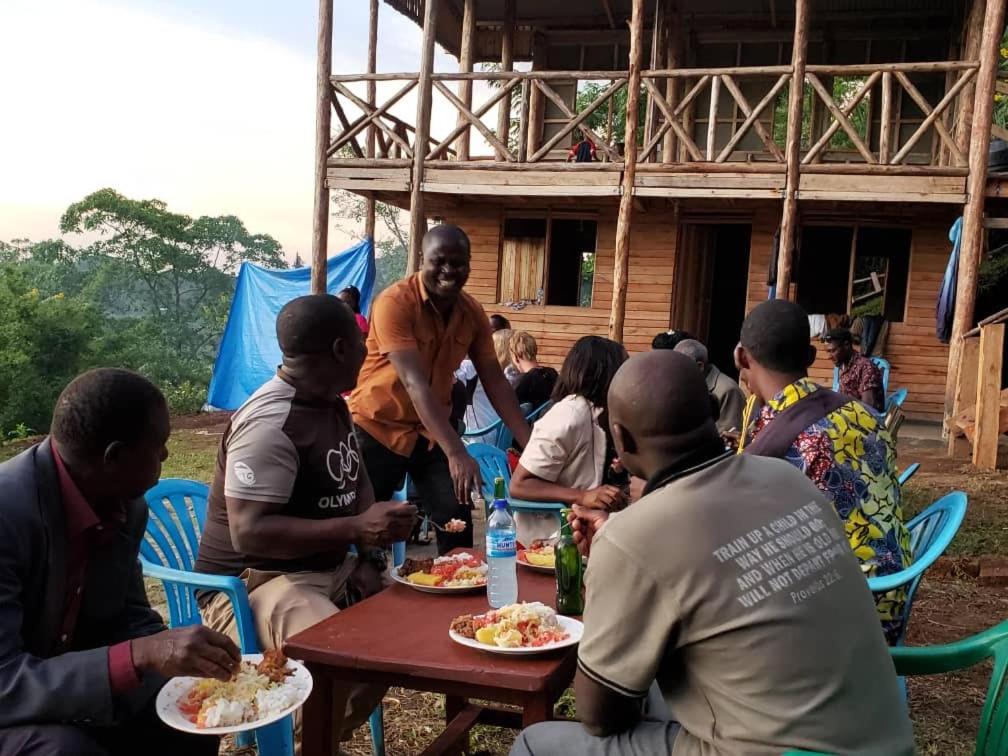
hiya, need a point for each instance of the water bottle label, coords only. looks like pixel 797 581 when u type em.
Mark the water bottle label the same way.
pixel 501 544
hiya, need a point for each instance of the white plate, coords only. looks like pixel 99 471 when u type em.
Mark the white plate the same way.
pixel 573 628
pixel 536 567
pixel 435 588
pixel 177 687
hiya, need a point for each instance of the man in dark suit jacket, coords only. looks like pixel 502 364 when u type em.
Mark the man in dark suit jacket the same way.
pixel 82 654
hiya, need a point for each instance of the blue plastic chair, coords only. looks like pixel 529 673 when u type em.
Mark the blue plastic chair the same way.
pixel 896 399
pixel 177 516
pixel 930 534
pixel 910 471
pixel 493 463
pixel 503 438
pixel 882 365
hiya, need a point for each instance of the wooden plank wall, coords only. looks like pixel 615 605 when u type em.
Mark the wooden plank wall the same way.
pixel 919 361
pixel 652 262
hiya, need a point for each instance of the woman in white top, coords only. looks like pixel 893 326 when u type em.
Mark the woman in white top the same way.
pixel 480 412
pixel 566 456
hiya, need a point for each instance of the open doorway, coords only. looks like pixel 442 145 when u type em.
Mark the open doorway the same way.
pixel 711 283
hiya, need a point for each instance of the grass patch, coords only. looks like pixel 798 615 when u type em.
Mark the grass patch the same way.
pixel 192 455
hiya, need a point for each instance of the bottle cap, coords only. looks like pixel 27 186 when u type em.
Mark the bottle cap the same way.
pixel 500 504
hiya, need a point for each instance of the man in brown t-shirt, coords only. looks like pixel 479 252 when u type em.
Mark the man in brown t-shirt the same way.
pixel 421 329
pixel 725 612
pixel 290 495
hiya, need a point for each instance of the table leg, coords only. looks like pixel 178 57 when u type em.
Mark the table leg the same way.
pixel 537 709
pixel 316 716
pixel 453 707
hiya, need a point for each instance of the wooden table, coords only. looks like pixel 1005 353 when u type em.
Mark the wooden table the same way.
pixel 400 638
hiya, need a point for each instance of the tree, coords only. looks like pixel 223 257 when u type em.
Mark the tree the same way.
pixel 391 248
pixel 172 273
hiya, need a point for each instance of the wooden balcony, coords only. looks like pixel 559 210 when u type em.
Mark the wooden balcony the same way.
pixel 875 132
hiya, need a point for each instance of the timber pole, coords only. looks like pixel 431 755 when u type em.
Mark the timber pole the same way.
pixel 418 219
pixel 673 58
pixel 792 151
pixel 466 66
pixel 972 243
pixel 372 65
pixel 323 120
pixel 507 64
pixel 971 51
pixel 536 102
pixel 621 266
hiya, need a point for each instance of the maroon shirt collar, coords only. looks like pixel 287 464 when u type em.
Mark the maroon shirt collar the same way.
pixel 80 516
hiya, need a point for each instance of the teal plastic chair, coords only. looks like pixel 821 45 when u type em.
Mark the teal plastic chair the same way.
pixel 910 471
pixel 895 399
pixel 177 515
pixel 992 734
pixel 931 532
pixel 493 463
pixel 502 436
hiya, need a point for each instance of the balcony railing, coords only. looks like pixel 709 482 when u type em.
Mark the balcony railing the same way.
pixel 899 114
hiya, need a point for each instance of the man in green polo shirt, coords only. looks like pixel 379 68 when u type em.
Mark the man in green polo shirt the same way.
pixel 725 612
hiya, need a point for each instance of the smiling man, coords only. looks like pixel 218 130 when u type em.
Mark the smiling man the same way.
pixel 421 329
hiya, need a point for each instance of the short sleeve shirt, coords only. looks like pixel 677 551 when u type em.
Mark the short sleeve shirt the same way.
pixel 862 376
pixel 567 445
pixel 402 318
pixel 750 613
pixel 282 448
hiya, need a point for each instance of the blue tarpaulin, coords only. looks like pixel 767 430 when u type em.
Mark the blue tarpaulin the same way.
pixel 249 353
pixel 947 296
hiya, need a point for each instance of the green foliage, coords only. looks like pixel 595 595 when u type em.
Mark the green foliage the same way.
pixel 151 292
pixel 598 120
pixel 1000 100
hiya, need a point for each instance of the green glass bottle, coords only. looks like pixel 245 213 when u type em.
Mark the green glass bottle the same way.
pixel 499 489
pixel 569 571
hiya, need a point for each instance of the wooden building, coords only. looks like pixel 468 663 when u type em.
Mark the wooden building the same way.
pixel 826 146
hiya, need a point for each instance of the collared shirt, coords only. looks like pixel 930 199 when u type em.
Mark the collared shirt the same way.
pixel 404 317
pixel 861 376
pixel 851 458
pixel 86 533
pixel 730 399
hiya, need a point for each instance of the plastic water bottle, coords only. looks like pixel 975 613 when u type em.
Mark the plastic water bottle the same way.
pixel 501 552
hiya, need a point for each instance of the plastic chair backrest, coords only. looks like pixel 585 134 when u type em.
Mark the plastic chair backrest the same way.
pixel 896 399
pixel 176 516
pixel 910 471
pixel 493 463
pixel 931 532
pixel 884 366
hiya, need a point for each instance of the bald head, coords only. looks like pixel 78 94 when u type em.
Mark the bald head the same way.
pixel 659 410
pixel 445 268
pixel 694 350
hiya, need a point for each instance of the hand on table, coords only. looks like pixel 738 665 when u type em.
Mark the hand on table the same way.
pixel 385 522
pixel 585 524
pixel 195 650
pixel 465 475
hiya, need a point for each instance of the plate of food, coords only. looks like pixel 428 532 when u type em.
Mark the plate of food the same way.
pixel 539 556
pixel 452 573
pixel 525 628
pixel 266 688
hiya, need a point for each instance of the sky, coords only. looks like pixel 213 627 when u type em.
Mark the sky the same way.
pixel 208 105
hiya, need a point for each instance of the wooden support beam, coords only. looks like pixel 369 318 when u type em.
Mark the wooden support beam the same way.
pixel 657 62
pixel 621 265
pixel 673 57
pixel 965 392
pixel 609 14
pixel 988 397
pixel 323 124
pixel 466 66
pixel 537 106
pixel 507 64
pixel 418 218
pixel 792 151
pixel 885 119
pixel 523 121
pixel 972 32
pixel 712 111
pixel 971 248
pixel 372 63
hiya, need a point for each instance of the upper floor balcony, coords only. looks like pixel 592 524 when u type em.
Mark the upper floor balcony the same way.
pixel 875 131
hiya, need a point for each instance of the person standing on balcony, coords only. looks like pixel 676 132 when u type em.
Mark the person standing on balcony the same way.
pixel 859 377
pixel 421 329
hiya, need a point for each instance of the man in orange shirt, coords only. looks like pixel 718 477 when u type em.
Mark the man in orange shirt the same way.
pixel 421 329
